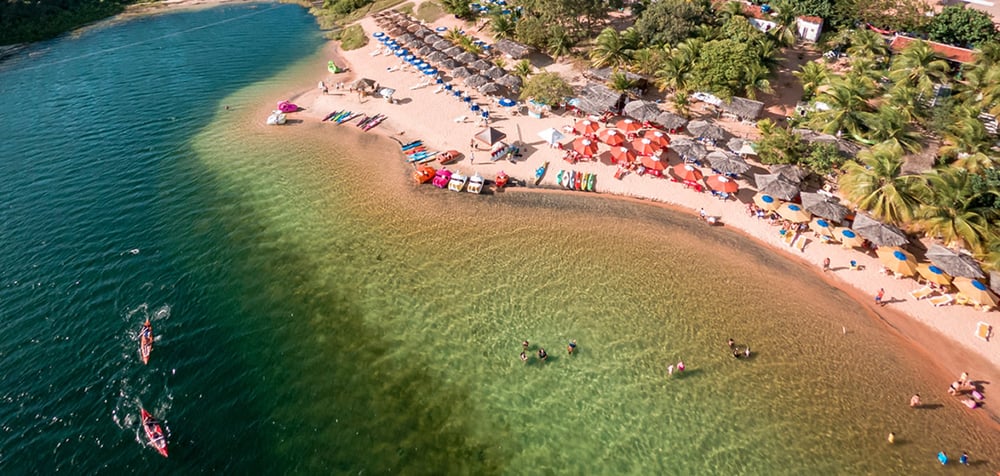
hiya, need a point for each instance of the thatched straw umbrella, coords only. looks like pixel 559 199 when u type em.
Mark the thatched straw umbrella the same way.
pixel 481 65
pixel 511 82
pixel 466 57
pixel 492 89
pixel 476 80
pixel 670 121
pixel 461 72
pixel 642 110
pixel 495 72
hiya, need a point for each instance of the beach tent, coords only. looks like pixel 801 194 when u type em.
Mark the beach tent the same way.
pixel 490 136
pixel 954 263
pixel 877 232
pixel 551 136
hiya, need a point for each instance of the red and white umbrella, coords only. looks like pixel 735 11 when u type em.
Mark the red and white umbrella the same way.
pixel 654 163
pixel 585 147
pixel 687 172
pixel 657 137
pixel 611 137
pixel 628 125
pixel 623 154
pixel 721 183
pixel 586 126
pixel 645 147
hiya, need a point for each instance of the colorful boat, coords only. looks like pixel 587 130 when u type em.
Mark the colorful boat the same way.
pixel 577 181
pixel 146 341
pixel 374 122
pixel 411 145
pixel 457 182
pixel 540 172
pixel 285 106
pixel 559 177
pixel 276 118
pixel 424 174
pixel 442 178
pixel 475 184
pixel 331 115
pixel 154 432
pixel 502 179
pixel 332 67
pixel 591 181
pixel 449 157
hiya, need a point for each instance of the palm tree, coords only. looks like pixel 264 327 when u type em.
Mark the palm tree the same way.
pixel 867 44
pixel 905 100
pixel 646 61
pixel 523 69
pixel 890 126
pixel 682 103
pixel 918 66
pixel 673 74
pixel 611 49
pixel 812 75
pixel 847 99
pixel 730 9
pixel 559 42
pixel 876 184
pixel 953 211
pixel 619 81
pixel 502 25
pixel 454 35
pixel 755 79
pixel 965 135
pixel 784 31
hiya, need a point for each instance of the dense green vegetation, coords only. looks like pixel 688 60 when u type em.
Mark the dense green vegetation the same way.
pixel 26 21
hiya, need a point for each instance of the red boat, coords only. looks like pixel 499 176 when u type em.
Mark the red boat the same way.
pixel 502 179
pixel 146 341
pixel 154 432
pixel 424 174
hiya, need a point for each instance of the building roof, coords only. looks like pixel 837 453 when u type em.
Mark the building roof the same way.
pixel 948 52
pixel 597 98
pixel 810 19
pixel 512 48
pixel 743 108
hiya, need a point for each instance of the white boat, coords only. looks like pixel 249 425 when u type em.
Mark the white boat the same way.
pixel 276 118
pixel 475 184
pixel 457 182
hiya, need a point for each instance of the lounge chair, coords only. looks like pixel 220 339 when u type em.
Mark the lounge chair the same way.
pixel 942 300
pixel 921 293
pixel 788 237
pixel 984 331
pixel 800 244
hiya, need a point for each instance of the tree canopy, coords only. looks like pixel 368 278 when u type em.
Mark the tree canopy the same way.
pixel 957 25
pixel 672 21
pixel 547 88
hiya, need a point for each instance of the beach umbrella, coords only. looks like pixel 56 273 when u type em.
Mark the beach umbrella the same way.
pixel 953 263
pixel 789 172
pixel 507 102
pixel 495 72
pixel 793 213
pixel 407 38
pixel 690 150
pixel 586 126
pixel 822 206
pixel 422 32
pixel 461 72
pixel 474 107
pixel 551 136
pixel 466 57
pixel 897 260
pixel 363 83
pixel 585 147
pixel 454 51
pixel 933 274
pixel 877 232
pixel 653 162
pixel 623 154
pixel 449 64
pixel 721 183
pixel 642 110
pixel 436 57
pixel 432 39
pixel 724 162
pixel 706 130
pixel 659 138
pixel 822 227
pixel 975 291
pixel 670 121
pixel 511 81
pixel 492 89
pixel 476 80
pixel 734 144
pixel 429 71
pixel 442 44
pixel 611 137
pixel 481 65
pixel 645 147
pixel 766 202
pixel 628 125
pixel 848 237
pixel 687 173
pixel 401 52
pixel 773 184
pixel 490 136
pixel 413 27
pixel 378 34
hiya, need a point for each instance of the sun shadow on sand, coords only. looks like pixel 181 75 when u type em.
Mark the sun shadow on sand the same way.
pixel 929 406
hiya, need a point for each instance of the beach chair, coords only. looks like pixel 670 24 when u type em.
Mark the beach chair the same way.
pixel 788 237
pixel 921 293
pixel 800 244
pixel 984 331
pixel 942 300
pixel 962 300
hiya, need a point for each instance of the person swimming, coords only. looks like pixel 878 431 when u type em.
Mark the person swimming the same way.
pixel 747 352
pixel 542 354
pixel 572 346
pixel 732 343
pixel 524 357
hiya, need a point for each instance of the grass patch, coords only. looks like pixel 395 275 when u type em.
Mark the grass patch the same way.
pixel 429 11
pixel 330 20
pixel 351 38
pixel 406 8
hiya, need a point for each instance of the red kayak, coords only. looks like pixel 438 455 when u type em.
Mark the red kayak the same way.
pixel 146 341
pixel 154 432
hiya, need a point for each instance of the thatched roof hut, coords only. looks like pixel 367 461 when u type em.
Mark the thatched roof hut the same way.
pixel 511 81
pixel 706 130
pixel 437 57
pixel 845 147
pixel 442 45
pixel 512 48
pixel 422 32
pixel 453 51
pixel 598 99
pixel 425 50
pixel 449 64
pixel 742 108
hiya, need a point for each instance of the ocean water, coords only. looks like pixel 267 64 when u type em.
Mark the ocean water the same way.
pixel 317 313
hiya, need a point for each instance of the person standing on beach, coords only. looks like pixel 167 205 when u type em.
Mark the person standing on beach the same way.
pixel 879 296
pixel 826 264
pixel 963 379
pixel 915 400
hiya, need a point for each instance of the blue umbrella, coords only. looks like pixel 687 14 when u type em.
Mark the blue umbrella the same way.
pixel 935 269
pixel 823 223
pixel 447 87
pixel 507 102
pixel 430 71
pixel 402 52
pixel 474 107
pixel 439 80
pixel 409 58
pixel 422 64
pixel 978 285
pixel 849 233
pixel 467 98
pixel 457 93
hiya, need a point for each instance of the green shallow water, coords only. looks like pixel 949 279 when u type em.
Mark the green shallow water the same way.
pixel 319 314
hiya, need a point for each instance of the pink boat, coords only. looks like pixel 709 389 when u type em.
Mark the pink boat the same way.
pixel 442 178
pixel 285 106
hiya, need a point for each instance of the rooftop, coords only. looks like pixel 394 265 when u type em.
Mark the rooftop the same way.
pixel 948 52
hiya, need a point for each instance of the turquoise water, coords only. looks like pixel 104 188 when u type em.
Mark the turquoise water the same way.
pixel 317 313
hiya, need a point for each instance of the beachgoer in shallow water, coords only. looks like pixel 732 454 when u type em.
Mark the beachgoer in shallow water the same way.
pixel 943 458
pixel 680 366
pixel 737 353
pixel 524 345
pixel 964 459
pixel 524 357
pixel 892 437
pixel 670 369
pixel 731 343
pixel 542 355
pixel 915 400
pixel 747 352
pixel 572 346
pixel 962 379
